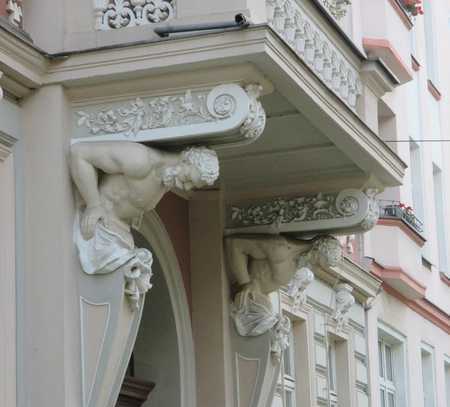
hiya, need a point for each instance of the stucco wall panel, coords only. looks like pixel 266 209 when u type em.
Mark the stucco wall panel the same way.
pixel 174 212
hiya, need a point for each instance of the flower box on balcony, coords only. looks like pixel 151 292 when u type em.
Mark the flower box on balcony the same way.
pixel 412 7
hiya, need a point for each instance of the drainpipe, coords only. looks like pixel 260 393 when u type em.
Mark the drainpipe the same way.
pixel 240 21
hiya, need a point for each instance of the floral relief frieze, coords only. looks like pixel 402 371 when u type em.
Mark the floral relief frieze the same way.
pixel 113 14
pixel 288 19
pixel 224 114
pixel 343 212
pixel 165 111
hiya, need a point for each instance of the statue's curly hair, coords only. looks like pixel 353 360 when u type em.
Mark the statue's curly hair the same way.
pixel 205 160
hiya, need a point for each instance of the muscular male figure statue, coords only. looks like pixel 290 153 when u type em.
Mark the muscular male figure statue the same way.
pixel 261 264
pixel 119 181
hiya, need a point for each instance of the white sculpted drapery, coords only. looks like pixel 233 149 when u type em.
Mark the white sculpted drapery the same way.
pixel 133 180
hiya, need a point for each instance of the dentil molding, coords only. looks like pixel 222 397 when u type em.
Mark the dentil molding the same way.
pixel 305 37
pixel 345 212
pixel 224 115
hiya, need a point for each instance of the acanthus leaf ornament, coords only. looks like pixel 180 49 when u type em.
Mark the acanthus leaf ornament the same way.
pixel 256 120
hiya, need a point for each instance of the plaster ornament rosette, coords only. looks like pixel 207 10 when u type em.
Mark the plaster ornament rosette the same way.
pixel 315 48
pixel 346 212
pixel 115 14
pixel 225 115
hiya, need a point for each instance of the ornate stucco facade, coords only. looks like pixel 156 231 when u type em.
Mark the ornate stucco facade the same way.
pixel 239 204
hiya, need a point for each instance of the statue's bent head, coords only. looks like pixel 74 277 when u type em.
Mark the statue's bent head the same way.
pixel 198 167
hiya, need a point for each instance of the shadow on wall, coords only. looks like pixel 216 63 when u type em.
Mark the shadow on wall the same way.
pixel 156 357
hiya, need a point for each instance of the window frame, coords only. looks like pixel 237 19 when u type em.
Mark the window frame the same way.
pixel 398 344
pixel 386 385
pixel 430 353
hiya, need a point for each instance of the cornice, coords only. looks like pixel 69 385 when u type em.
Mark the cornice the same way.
pixel 259 44
pixel 365 138
pixel 365 284
pixel 21 61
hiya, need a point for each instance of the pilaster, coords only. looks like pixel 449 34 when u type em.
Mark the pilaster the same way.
pixel 210 299
pixel 7 276
pixel 49 305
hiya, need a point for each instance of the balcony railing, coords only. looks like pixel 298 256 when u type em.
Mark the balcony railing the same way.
pixel 397 210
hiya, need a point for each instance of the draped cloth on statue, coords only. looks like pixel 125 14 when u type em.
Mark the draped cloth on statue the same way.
pixel 107 251
pixel 254 316
pixel 112 248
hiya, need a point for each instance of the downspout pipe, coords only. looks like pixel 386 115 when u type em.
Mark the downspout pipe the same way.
pixel 240 21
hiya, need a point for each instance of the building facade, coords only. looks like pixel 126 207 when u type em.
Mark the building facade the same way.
pixel 224 204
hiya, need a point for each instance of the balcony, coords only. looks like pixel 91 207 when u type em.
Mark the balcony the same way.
pixel 399 211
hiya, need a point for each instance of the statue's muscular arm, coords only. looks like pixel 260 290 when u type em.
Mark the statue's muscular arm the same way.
pixel 130 159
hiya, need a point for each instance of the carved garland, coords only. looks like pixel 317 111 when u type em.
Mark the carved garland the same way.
pixel 115 14
pixel 313 47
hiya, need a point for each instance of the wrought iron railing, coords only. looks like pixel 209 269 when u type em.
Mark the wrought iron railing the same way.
pixel 397 210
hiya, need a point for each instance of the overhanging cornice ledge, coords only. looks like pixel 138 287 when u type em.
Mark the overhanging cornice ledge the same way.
pixel 339 213
pixel 223 116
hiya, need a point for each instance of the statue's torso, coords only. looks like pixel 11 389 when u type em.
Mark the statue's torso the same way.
pixel 129 197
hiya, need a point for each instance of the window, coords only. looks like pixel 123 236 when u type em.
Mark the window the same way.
pixel 333 391
pixel 440 216
pixel 391 367
pixel 289 373
pixel 387 383
pixel 430 43
pixel 447 380
pixel 427 355
pixel 416 179
pixel 286 389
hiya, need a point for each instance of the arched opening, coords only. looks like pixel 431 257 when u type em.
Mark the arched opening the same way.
pixel 163 353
